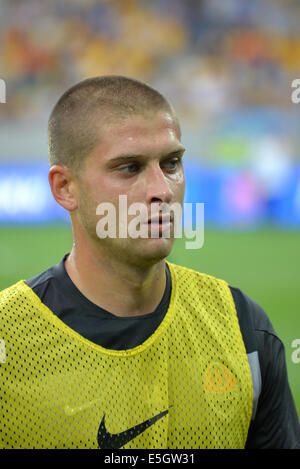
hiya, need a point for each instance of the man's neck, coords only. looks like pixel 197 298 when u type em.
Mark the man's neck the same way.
pixel 122 289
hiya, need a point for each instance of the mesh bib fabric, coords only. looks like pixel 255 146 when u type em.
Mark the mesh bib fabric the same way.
pixel 187 387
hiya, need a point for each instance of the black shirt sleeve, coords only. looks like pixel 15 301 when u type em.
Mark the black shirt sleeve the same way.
pixel 276 423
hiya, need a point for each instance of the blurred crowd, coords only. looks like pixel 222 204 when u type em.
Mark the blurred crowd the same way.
pixel 212 58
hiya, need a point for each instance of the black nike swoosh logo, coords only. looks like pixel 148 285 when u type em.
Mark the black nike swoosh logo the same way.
pixel 108 440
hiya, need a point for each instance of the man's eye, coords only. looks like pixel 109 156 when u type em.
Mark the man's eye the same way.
pixel 171 165
pixel 130 168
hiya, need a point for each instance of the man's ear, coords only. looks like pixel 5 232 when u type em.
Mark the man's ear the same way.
pixel 62 183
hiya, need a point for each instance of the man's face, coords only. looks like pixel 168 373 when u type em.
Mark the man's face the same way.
pixel 139 158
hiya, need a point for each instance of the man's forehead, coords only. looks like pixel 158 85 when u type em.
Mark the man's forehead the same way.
pixel 140 135
pixel 144 123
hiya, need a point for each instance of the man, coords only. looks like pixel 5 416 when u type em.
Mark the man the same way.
pixel 114 347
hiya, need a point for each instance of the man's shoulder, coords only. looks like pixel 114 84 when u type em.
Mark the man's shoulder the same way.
pixel 12 294
pixel 27 287
pixel 249 309
pixel 251 315
pixel 40 279
pixel 5 291
pixel 40 283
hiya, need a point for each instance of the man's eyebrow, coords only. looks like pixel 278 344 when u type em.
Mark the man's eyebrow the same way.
pixel 174 153
pixel 123 158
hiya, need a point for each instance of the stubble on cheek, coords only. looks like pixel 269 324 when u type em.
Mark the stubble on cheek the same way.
pixel 87 213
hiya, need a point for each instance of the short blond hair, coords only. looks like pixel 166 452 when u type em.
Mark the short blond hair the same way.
pixel 74 127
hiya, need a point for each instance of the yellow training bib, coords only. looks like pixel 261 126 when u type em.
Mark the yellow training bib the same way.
pixel 188 386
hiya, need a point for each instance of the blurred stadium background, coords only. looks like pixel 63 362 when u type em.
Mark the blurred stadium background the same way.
pixel 227 66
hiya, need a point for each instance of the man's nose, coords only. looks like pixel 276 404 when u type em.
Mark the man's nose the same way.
pixel 158 186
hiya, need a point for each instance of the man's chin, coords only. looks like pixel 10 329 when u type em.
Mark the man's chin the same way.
pixel 141 252
pixel 153 250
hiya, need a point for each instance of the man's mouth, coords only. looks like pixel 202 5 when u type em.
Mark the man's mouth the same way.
pixel 161 219
pixel 160 224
